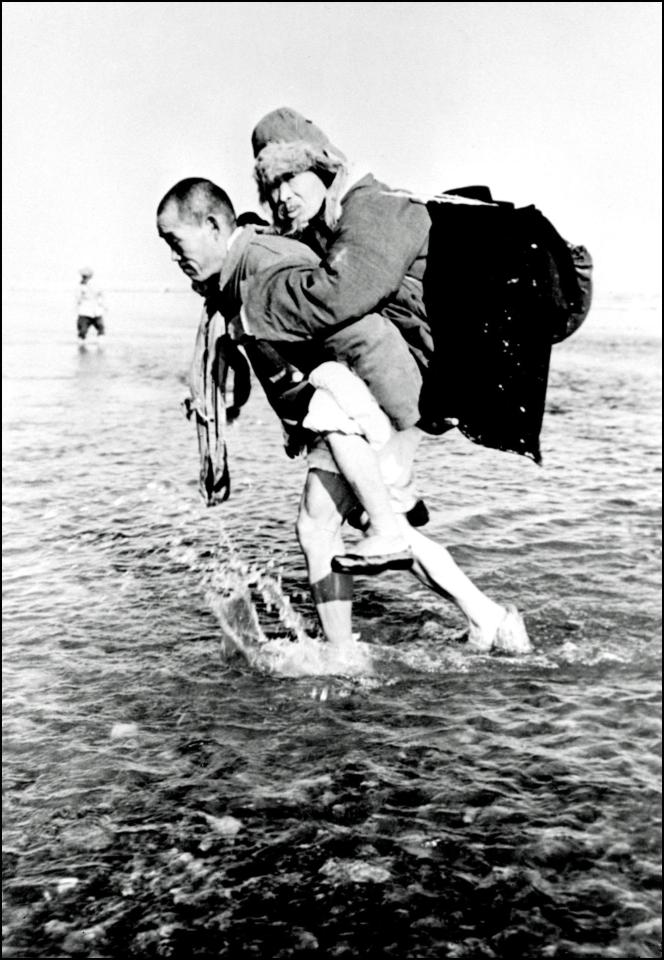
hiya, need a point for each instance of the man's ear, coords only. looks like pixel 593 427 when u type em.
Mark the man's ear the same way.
pixel 213 223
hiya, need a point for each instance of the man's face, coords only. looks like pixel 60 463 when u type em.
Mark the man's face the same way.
pixel 199 249
pixel 296 199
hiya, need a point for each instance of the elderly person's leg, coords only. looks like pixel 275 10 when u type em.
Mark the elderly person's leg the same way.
pixel 350 424
pixel 393 492
pixel 376 351
pixel 358 464
pixel 325 500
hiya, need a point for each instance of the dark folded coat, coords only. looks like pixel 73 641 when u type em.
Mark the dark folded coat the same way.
pixel 501 287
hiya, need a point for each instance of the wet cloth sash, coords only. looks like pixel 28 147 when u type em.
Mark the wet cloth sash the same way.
pixel 215 357
pixel 501 287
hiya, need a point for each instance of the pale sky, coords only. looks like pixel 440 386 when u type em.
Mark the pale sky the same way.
pixel 106 105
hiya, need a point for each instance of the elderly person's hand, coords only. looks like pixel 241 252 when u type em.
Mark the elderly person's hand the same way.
pixel 235 328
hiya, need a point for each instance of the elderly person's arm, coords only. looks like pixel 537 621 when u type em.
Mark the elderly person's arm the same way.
pixel 378 238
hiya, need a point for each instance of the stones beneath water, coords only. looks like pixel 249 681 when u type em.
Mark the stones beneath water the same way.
pixel 124 731
pixel 354 871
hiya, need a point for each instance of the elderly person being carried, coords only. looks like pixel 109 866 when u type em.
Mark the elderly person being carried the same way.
pixel 374 245
pixel 196 220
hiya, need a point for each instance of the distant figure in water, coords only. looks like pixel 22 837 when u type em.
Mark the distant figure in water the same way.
pixel 90 304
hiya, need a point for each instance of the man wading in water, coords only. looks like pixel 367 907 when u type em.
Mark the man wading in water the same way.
pixel 479 289
pixel 332 412
pixel 91 306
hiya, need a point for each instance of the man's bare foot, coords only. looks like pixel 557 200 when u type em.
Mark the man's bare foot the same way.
pixel 512 636
pixel 503 629
pixel 312 657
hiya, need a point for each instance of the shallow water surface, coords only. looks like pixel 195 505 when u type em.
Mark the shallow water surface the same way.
pixel 162 800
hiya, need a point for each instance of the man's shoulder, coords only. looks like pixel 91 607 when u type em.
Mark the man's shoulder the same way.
pixel 255 251
pixel 264 249
pixel 277 245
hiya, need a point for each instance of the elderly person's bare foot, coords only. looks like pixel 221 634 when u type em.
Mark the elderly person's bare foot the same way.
pixel 503 630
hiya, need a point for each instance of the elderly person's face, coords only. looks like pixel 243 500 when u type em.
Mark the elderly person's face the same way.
pixel 199 249
pixel 296 199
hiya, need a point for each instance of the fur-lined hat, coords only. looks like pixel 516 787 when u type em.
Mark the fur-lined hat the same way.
pixel 284 142
pixel 284 125
pixel 278 160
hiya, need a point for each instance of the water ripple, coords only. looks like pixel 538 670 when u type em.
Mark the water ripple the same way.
pixel 164 799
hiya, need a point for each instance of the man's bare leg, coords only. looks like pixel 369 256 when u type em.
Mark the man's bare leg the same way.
pixel 489 624
pixel 325 499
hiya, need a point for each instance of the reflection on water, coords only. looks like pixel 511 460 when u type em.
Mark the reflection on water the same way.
pixel 90 352
pixel 163 800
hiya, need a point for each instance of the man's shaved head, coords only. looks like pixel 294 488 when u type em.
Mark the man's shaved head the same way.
pixel 196 219
pixel 195 199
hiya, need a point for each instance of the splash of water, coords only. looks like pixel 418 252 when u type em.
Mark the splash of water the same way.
pixel 236 590
pixel 259 624
pixel 239 593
